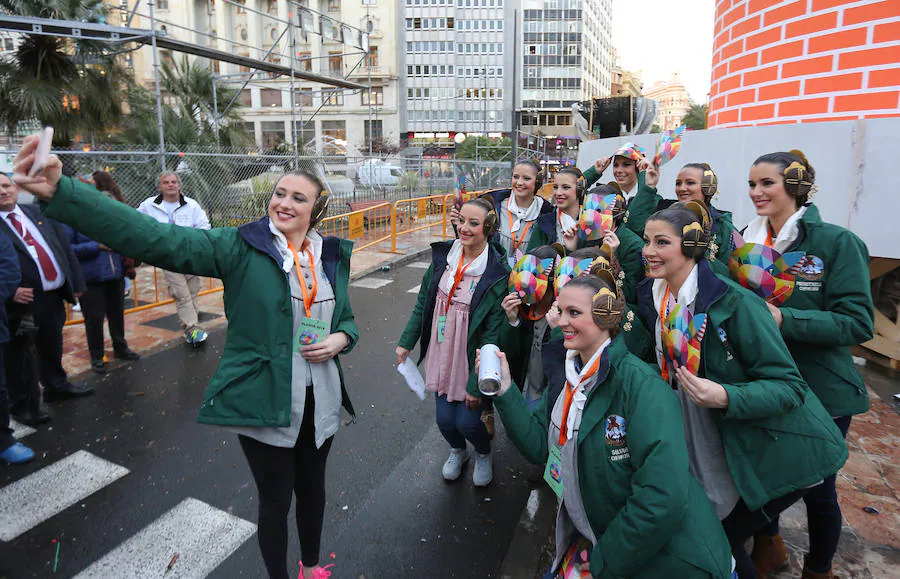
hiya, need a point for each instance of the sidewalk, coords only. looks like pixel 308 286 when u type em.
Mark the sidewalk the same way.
pixel 155 329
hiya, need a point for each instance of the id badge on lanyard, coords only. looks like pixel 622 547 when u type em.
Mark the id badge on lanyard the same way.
pixel 310 330
pixel 553 470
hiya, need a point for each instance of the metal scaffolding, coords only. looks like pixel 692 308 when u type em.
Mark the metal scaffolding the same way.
pixel 301 22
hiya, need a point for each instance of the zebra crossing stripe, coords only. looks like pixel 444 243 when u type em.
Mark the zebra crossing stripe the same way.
pixel 202 536
pixel 20 431
pixel 32 500
pixel 414 290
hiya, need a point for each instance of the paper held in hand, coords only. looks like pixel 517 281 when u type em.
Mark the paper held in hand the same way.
pixel 413 377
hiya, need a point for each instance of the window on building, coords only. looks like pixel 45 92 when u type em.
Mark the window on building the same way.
pixel 334 5
pixel 337 130
pixel 374 130
pixel 305 97
pixel 241 7
pixel 333 98
pixel 374 95
pixel 369 2
pixel 304 60
pixel 372 57
pixel 450 23
pixel 244 98
pixel 162 4
pixel 335 62
pixel 270 97
pixel 272 133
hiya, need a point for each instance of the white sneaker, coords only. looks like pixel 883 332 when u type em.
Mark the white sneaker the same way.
pixel 455 462
pixel 483 473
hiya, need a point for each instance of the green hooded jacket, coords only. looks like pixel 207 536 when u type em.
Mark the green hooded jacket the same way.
pixel 830 309
pixel 650 516
pixel 252 384
pixel 486 316
pixel 777 436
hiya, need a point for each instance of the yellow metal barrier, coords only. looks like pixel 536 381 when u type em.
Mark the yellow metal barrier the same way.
pixel 369 225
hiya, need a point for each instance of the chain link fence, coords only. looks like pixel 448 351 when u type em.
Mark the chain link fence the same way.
pixel 234 186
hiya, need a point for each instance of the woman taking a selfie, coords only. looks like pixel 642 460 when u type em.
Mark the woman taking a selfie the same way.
pixel 279 383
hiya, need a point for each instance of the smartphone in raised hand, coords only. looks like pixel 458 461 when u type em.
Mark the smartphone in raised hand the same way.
pixel 42 152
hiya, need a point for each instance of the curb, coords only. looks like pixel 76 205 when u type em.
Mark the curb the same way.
pixel 525 558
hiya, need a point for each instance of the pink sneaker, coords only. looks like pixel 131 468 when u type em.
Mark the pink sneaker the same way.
pixel 318 572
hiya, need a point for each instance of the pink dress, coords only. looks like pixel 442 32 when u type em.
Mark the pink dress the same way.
pixel 447 362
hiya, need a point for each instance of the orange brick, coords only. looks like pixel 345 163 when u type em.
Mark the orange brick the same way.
pixel 722 8
pixel 871 12
pixel 815 106
pixel 785 12
pixel 721 40
pixel 717 103
pixel 741 97
pixel 884 78
pixel 870 57
pixel 758 113
pixel 882 116
pixel 867 102
pixel 743 62
pixel 760 76
pixel 819 5
pixel 782 52
pixel 807 66
pixel 811 24
pixel 830 119
pixel 719 71
pixel 765 37
pixel 732 50
pixel 730 83
pixel 730 116
pixel 760 5
pixel 778 122
pixel 711 120
pixel 734 15
pixel 837 40
pixel 779 91
pixel 745 27
pixel 833 83
pixel 887 32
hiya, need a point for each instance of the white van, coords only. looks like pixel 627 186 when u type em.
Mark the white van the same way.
pixel 379 173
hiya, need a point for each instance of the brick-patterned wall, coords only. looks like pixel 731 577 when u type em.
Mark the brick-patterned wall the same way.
pixel 793 61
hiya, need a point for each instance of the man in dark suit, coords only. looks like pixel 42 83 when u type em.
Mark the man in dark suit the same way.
pixel 51 275
pixel 11 452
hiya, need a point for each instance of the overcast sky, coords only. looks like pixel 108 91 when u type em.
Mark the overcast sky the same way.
pixel 662 37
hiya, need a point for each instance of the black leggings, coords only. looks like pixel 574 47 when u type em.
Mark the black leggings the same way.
pixel 823 517
pixel 278 472
pixel 742 523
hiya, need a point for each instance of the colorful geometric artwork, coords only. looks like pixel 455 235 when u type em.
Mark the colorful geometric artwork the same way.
pixel 764 271
pixel 596 217
pixel 574 564
pixel 460 189
pixel 530 278
pixel 681 337
pixel 668 146
pixel 631 151
pixel 568 269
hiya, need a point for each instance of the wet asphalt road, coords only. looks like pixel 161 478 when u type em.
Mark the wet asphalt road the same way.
pixel 389 512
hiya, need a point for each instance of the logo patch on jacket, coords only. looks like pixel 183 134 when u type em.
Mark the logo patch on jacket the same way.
pixel 615 437
pixel 810 271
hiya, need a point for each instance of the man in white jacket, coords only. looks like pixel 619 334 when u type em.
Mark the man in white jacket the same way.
pixel 171 206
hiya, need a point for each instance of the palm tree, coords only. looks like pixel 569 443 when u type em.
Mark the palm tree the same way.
pixel 695 118
pixel 72 85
